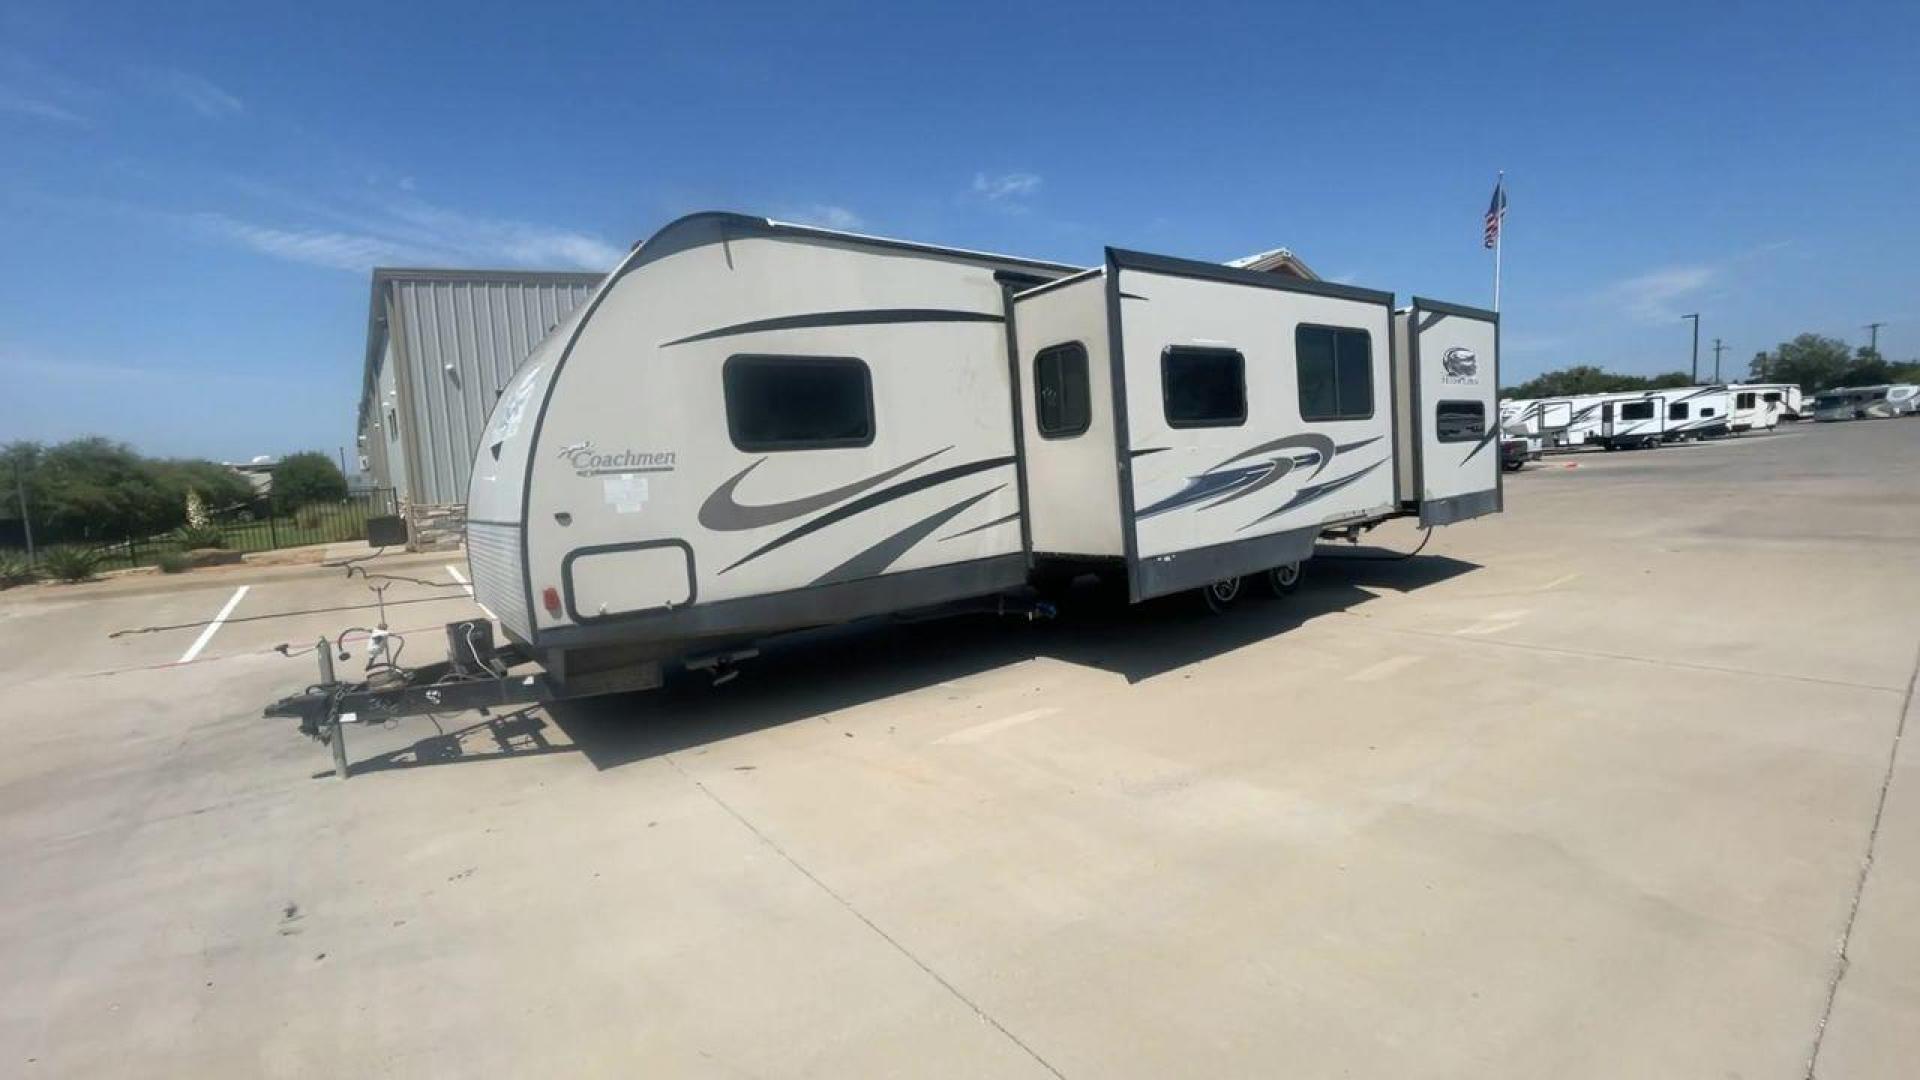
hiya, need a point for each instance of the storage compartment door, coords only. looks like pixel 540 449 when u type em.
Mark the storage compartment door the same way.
pixel 1456 373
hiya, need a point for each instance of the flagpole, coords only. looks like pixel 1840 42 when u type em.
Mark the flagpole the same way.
pixel 1499 235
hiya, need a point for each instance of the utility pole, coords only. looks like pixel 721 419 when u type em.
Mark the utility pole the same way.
pixel 26 523
pixel 1717 350
pixel 1873 329
pixel 1696 346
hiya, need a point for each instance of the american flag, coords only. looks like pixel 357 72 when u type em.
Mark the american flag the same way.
pixel 1496 212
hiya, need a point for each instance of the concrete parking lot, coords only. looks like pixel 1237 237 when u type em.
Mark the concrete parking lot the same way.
pixel 1600 787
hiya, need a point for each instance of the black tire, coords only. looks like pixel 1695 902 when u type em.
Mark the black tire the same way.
pixel 1220 596
pixel 1282 580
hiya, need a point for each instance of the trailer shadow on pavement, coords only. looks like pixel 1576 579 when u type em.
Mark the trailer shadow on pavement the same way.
pixel 518 734
pixel 808 674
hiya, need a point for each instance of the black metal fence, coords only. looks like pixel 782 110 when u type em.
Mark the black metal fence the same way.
pixel 262 527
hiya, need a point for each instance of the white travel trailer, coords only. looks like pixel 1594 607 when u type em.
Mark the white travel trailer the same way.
pixel 1632 421
pixel 1559 423
pixel 1761 406
pixel 754 427
pixel 1695 412
pixel 1905 399
pixel 1882 402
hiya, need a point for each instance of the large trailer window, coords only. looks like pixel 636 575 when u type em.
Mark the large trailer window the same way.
pixel 1636 410
pixel 1677 410
pixel 1745 400
pixel 1772 397
pixel 1459 421
pixel 1335 369
pixel 798 402
pixel 1062 400
pixel 1203 387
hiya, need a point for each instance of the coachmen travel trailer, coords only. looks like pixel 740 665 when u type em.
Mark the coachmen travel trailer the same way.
pixel 1631 421
pixel 754 427
pixel 1761 406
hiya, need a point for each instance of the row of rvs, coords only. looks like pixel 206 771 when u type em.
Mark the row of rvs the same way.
pixel 1867 402
pixel 1639 419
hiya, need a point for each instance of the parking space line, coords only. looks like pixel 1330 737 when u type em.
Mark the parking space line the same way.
pixel 467 585
pixel 993 727
pixel 206 635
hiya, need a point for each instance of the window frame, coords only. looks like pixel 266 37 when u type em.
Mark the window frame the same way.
pixel 1240 363
pixel 788 445
pixel 1086 382
pixel 1373 399
pixel 1438 433
pixel 1679 410
pixel 1621 413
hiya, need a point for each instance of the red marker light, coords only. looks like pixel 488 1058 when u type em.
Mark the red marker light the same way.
pixel 550 596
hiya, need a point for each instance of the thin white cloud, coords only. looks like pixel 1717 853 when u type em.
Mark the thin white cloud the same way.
pixel 197 93
pixel 825 216
pixel 1657 295
pixel 1013 185
pixel 314 247
pixel 17 104
pixel 411 233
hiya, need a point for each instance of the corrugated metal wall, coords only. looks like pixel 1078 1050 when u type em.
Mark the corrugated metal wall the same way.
pixel 463 340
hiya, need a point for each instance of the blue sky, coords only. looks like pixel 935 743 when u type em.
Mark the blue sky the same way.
pixel 191 195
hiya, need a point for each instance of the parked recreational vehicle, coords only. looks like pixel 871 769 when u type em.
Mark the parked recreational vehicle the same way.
pixel 1839 403
pixel 754 427
pixel 1696 412
pixel 1761 406
pixel 1905 399
pixel 1632 421
pixel 1559 423
pixel 1882 402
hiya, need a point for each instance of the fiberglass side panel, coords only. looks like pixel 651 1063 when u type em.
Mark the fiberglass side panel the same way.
pixel 1201 477
pixel 1457 372
pixel 1072 492
pixel 692 416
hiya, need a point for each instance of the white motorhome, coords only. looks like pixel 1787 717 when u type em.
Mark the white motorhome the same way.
pixel 1761 406
pixel 754 427
pixel 1631 421
pixel 1839 403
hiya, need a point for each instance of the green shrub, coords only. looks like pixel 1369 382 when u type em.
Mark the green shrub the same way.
pixel 71 563
pixel 173 562
pixel 16 570
pixel 193 538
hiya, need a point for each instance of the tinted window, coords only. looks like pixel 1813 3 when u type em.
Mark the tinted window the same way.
pixel 1770 398
pixel 1706 410
pixel 1203 387
pixel 1460 421
pixel 1677 411
pixel 1637 410
pixel 1335 370
pixel 1745 401
pixel 1062 403
pixel 798 402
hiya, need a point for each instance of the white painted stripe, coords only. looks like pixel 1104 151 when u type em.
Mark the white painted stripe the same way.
pixel 465 584
pixel 207 634
pixel 993 727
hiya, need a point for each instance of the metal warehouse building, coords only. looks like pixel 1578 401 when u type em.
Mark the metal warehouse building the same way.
pixel 440 346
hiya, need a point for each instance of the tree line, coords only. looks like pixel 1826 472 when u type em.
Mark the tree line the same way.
pixel 1811 361
pixel 95 489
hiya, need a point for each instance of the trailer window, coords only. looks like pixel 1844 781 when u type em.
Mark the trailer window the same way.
pixel 1203 387
pixel 1460 421
pixel 1772 398
pixel 1335 369
pixel 1745 401
pixel 1677 410
pixel 1062 400
pixel 798 402
pixel 1706 411
pixel 1636 410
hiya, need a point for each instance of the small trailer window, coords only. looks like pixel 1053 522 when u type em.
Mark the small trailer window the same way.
pixel 1636 410
pixel 1203 387
pixel 1062 400
pixel 1460 421
pixel 1335 369
pixel 1677 410
pixel 1707 410
pixel 798 402
pixel 1745 400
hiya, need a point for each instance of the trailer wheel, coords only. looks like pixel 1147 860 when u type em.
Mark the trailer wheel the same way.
pixel 1282 580
pixel 1221 595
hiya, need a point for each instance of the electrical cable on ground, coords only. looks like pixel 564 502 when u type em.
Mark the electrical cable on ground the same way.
pixel 1396 557
pixel 275 615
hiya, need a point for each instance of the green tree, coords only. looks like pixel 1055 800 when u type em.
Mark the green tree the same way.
pixel 220 488
pixel 307 477
pixel 98 489
pixel 1813 361
pixel 1869 368
pixel 1588 379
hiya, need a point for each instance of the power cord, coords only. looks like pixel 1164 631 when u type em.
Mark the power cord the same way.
pixel 1384 558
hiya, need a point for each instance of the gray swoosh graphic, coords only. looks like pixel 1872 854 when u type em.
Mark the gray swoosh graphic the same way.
pixel 1319 444
pixel 722 513
pixel 875 560
pixel 1010 518
pixel 1308 494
